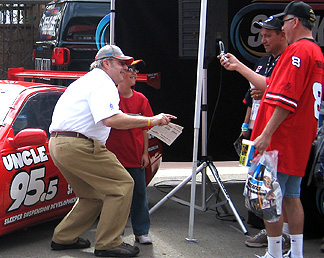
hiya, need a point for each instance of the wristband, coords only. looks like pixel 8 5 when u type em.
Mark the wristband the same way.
pixel 149 122
pixel 245 127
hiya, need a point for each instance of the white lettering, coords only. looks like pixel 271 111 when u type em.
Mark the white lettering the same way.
pixel 36 211
pixel 295 61
pixel 317 92
pixel 35 157
pixel 17 160
pixel 25 158
pixel 63 203
pixel 42 153
pixel 39 210
pixel 12 219
pixel 7 162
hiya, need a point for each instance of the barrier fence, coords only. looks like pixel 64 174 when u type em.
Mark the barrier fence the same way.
pixel 18 32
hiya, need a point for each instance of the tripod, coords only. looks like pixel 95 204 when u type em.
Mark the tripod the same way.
pixel 201 95
pixel 205 181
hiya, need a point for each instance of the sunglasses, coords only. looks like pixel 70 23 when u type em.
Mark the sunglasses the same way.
pixel 289 19
pixel 131 69
pixel 122 63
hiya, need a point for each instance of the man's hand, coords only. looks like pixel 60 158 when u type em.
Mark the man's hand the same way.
pixel 162 119
pixel 262 142
pixel 256 94
pixel 231 63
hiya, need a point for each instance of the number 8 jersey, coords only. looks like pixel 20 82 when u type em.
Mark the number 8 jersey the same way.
pixel 296 85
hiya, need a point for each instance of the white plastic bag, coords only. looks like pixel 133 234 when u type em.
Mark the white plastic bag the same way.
pixel 262 191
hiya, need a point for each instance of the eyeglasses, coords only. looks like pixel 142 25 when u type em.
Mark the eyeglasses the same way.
pixel 289 19
pixel 131 69
pixel 122 63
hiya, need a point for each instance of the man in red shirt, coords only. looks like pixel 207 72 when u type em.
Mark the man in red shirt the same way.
pixel 288 114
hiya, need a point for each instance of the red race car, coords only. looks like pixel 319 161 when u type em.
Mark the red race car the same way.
pixel 32 190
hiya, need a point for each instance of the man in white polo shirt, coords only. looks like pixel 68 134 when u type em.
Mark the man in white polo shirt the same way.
pixel 80 127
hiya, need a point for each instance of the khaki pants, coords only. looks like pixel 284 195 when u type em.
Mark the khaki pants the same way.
pixel 103 186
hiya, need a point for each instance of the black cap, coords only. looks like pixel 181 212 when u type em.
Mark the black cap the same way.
pixel 298 9
pixel 271 24
pixel 139 64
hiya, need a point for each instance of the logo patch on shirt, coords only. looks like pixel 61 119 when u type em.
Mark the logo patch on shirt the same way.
pixel 258 68
pixel 319 64
pixel 111 106
pixel 287 86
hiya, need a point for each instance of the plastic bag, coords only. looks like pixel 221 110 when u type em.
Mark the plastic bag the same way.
pixel 262 191
pixel 238 145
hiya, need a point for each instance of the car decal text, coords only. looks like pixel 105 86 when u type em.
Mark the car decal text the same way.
pixel 25 158
pixel 40 210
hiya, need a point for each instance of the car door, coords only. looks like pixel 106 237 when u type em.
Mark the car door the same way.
pixel 33 188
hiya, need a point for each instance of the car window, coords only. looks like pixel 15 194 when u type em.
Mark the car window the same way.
pixel 36 112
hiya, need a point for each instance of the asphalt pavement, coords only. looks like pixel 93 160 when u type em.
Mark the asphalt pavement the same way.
pixel 215 230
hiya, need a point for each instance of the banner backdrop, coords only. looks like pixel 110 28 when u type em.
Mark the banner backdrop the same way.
pixel 149 30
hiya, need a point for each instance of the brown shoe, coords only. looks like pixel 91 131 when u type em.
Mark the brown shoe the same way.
pixel 80 244
pixel 123 250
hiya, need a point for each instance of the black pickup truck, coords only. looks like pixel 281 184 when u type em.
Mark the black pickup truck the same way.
pixel 67 34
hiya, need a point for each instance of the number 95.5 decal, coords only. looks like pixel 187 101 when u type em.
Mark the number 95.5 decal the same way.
pixel 30 188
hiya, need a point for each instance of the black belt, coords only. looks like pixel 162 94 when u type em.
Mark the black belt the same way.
pixel 69 134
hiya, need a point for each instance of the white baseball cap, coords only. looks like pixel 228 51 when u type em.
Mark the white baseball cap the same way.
pixel 113 51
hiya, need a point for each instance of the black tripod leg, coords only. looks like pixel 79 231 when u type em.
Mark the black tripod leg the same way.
pixel 222 187
pixel 218 198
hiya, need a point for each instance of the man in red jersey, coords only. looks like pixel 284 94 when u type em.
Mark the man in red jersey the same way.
pixel 288 114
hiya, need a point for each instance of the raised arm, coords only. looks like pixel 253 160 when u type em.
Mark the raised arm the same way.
pixel 233 64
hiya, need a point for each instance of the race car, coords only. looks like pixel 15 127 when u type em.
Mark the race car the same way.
pixel 32 189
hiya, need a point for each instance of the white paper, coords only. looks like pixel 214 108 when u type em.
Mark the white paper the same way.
pixel 166 133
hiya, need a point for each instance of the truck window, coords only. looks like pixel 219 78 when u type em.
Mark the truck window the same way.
pixel 80 20
pixel 81 29
pixel 49 23
pixel 72 25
